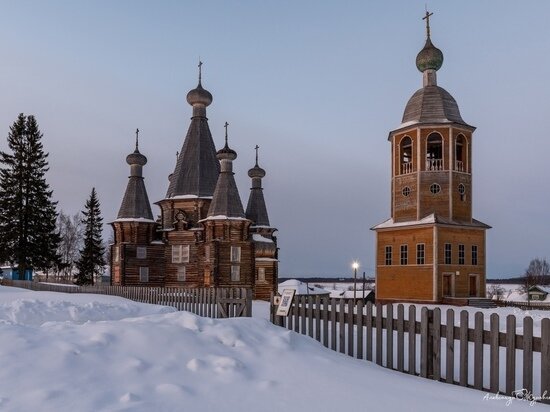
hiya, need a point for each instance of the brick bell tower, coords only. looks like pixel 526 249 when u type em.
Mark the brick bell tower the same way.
pixel 431 249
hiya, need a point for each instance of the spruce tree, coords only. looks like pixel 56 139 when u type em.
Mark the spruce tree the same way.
pixel 28 237
pixel 91 260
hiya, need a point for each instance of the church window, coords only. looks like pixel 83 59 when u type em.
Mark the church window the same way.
pixel 461 254
pixel 143 274
pixel 207 252
pixel 474 255
pixel 235 253
pixel 434 152
pixel 462 191
pixel 261 274
pixel 460 154
pixel 435 188
pixel 116 253
pixel 181 273
pixel 141 252
pixel 388 255
pixel 180 253
pixel 404 255
pixel 420 253
pixel 406 155
pixel 406 191
pixel 235 273
pixel 448 254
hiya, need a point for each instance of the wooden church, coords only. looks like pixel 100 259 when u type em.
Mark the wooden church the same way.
pixel 203 236
pixel 431 249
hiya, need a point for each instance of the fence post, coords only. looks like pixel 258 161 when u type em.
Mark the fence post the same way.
pixel 494 354
pixel 545 360
pixel 272 308
pixel 248 303
pixel 510 354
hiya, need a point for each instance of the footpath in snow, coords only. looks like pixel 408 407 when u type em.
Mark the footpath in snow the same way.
pixel 83 352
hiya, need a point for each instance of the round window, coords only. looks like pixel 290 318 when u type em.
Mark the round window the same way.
pixel 435 188
pixel 461 189
pixel 406 191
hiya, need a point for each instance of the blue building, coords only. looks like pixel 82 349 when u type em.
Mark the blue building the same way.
pixel 8 272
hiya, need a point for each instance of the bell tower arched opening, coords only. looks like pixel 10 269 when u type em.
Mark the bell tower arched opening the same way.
pixel 406 158
pixel 434 152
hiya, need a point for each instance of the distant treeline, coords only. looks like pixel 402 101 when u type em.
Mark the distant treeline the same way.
pixel 328 280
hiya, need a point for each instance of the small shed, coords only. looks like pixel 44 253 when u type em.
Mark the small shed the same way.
pixel 538 292
pixel 8 272
pixel 302 288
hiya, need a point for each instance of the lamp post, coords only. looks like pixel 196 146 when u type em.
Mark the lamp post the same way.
pixel 355 265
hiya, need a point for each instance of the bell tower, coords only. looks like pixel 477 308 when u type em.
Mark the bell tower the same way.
pixel 431 248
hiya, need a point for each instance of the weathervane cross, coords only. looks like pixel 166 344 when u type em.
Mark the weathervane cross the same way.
pixel 427 18
pixel 256 148
pixel 137 138
pixel 200 70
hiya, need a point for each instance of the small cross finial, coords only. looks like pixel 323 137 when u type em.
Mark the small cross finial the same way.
pixel 225 125
pixel 137 139
pixel 200 70
pixel 427 18
pixel 177 155
pixel 256 148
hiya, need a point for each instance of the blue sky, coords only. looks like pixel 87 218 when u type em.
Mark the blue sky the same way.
pixel 317 85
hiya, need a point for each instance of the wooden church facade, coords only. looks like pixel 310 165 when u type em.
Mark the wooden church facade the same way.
pixel 431 249
pixel 203 237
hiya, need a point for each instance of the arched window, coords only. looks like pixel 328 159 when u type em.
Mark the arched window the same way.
pixel 460 153
pixel 434 152
pixel 405 149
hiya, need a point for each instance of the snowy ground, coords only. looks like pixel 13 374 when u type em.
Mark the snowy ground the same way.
pixel 79 352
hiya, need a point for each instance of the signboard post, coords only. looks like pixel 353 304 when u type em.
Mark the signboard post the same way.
pixel 286 302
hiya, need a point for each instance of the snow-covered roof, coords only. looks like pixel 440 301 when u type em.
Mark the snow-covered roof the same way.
pixel 545 289
pixel 222 217
pixel 134 219
pixel 348 294
pixel 430 219
pixel 259 238
pixel 189 197
pixel 301 288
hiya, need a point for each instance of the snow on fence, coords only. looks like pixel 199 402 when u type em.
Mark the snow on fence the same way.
pixel 434 347
pixel 208 302
pixel 524 305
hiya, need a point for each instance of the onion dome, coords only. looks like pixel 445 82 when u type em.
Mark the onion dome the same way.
pixel 256 171
pixel 136 158
pixel 226 152
pixel 430 57
pixel 199 96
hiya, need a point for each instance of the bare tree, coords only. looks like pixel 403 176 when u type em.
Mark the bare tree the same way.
pixel 495 291
pixel 71 232
pixel 536 274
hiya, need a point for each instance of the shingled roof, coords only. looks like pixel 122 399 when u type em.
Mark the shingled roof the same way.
pixel 432 104
pixel 135 203
pixel 226 202
pixel 256 209
pixel 197 168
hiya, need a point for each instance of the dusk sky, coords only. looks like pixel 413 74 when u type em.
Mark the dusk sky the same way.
pixel 317 85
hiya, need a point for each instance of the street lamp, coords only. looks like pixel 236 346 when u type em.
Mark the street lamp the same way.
pixel 355 266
